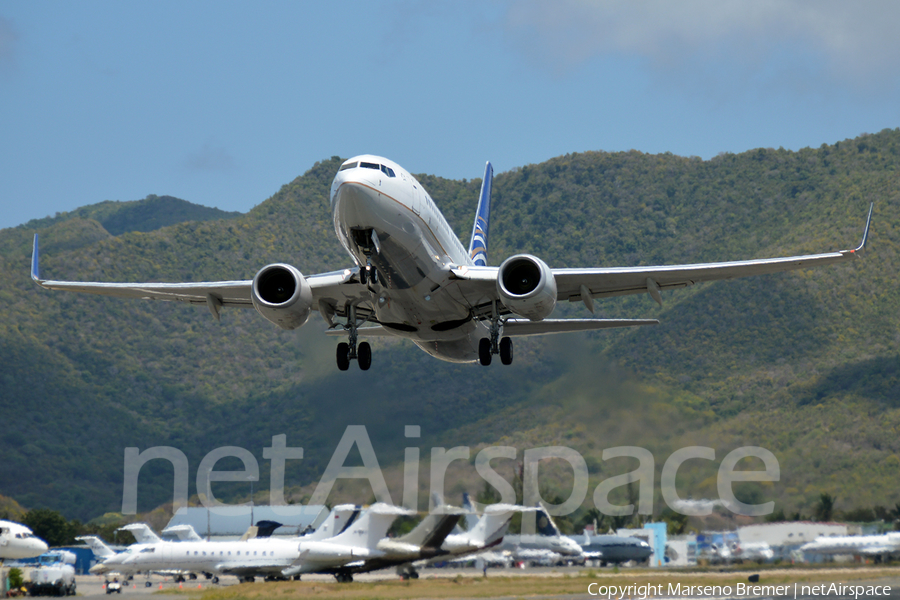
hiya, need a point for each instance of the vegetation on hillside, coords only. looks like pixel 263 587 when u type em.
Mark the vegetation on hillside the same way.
pixel 804 364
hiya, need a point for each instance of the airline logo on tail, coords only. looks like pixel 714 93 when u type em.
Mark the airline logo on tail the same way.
pixel 479 245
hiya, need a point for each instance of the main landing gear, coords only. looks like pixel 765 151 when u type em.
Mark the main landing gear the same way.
pixel 487 347
pixel 347 351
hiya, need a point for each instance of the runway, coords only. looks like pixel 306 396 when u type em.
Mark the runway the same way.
pixel 571 583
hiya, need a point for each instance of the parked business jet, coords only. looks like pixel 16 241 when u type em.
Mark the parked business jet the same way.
pixel 246 558
pixel 17 541
pixel 413 278
pixel 615 549
pixel 878 546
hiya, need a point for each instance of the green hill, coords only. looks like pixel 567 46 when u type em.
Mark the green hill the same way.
pixel 804 364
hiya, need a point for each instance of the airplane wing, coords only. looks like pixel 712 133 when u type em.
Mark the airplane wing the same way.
pixel 583 285
pixel 873 550
pixel 214 294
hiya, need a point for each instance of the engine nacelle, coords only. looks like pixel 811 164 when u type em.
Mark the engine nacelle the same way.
pixel 527 286
pixel 281 294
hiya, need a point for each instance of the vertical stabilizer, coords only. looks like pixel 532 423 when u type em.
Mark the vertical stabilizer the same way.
pixel 101 550
pixel 471 514
pixel 478 247
pixel 545 524
pixel 141 532
pixel 371 526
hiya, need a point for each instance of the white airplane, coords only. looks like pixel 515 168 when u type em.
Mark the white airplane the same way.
pixel 17 541
pixel 758 551
pixel 615 549
pixel 858 545
pixel 147 556
pixel 413 278
pixel 245 558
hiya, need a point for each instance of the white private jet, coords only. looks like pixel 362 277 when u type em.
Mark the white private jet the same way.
pixel 254 557
pixel 878 546
pixel 413 278
pixel 17 541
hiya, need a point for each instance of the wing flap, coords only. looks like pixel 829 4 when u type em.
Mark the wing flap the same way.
pixel 519 327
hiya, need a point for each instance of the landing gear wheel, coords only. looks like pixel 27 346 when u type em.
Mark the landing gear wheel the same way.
pixel 364 275
pixel 147 584
pixel 484 351
pixel 373 276
pixel 343 356
pixel 364 355
pixel 215 579
pixel 506 351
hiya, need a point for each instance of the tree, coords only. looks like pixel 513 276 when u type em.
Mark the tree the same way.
pixel 50 526
pixel 824 509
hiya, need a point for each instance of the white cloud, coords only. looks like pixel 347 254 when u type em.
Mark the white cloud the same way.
pixel 846 41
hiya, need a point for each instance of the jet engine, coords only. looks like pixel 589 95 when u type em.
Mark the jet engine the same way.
pixel 281 294
pixel 527 286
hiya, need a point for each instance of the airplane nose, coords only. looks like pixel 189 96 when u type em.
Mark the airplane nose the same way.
pixel 355 204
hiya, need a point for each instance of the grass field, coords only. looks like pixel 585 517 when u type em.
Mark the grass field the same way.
pixel 551 583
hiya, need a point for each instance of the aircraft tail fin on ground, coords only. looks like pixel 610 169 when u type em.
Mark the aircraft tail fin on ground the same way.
pixel 478 247
pixel 101 550
pixel 35 261
pixel 142 533
pixel 545 524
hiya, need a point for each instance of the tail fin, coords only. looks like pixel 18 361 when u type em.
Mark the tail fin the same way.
pixel 478 247
pixel 370 526
pixel 101 550
pixel 337 521
pixel 493 524
pixel 184 533
pixel 545 524
pixel 265 529
pixel 142 533
pixel 471 514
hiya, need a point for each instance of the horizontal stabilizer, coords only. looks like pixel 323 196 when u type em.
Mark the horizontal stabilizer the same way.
pixel 521 327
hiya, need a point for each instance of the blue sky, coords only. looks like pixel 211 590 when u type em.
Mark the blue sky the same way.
pixel 221 103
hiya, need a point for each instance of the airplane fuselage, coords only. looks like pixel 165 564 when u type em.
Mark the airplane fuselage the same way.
pixel 17 541
pixel 264 555
pixel 384 217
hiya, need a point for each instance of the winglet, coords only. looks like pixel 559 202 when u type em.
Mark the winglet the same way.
pixel 35 258
pixel 478 247
pixel 865 233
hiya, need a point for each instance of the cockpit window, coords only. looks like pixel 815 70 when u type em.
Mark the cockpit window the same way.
pixel 367 165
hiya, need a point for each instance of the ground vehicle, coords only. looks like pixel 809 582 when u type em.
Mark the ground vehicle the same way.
pixel 54 575
pixel 113 586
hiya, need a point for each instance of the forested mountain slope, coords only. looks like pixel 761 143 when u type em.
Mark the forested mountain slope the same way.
pixel 805 364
